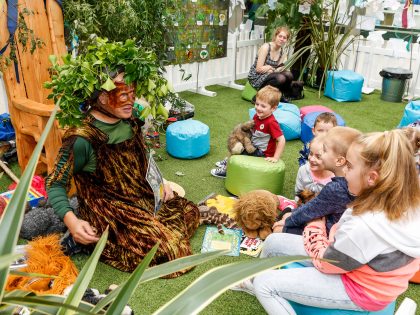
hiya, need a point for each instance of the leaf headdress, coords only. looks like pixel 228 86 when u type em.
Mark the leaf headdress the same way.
pixel 78 80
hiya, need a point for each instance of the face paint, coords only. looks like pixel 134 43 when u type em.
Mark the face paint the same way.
pixel 122 95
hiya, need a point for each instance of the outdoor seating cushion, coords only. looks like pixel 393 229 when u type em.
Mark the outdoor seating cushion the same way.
pixel 313 108
pixel 248 92
pixel 310 310
pixel 188 139
pixel 411 114
pixel 308 123
pixel 344 86
pixel 246 173
pixel 288 117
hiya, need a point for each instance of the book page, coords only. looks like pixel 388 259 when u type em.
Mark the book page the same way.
pixel 155 180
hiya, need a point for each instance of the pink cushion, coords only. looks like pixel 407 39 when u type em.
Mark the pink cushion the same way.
pixel 313 108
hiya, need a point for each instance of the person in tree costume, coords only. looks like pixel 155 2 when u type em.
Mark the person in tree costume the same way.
pixel 107 158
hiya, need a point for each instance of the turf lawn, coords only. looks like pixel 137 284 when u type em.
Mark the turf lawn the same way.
pixel 221 114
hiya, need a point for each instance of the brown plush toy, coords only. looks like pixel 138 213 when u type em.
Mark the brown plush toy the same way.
pixel 240 138
pixel 255 212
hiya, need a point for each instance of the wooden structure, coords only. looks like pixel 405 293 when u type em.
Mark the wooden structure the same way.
pixel 28 104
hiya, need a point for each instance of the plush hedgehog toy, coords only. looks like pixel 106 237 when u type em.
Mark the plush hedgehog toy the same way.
pixel 93 296
pixel 42 220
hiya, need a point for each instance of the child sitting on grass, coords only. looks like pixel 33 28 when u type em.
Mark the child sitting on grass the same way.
pixel 323 122
pixel 334 197
pixel 313 176
pixel 267 137
pixel 373 250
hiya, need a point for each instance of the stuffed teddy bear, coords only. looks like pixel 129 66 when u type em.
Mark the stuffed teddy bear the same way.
pixel 255 212
pixel 240 138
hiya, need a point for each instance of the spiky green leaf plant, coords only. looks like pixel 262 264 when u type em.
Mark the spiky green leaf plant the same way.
pixel 11 221
pixel 213 283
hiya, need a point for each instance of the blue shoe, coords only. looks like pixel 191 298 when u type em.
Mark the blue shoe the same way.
pixel 219 172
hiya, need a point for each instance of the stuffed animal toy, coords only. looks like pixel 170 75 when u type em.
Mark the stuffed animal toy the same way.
pixel 210 215
pixel 305 196
pixel 93 296
pixel 255 212
pixel 42 220
pixel 240 138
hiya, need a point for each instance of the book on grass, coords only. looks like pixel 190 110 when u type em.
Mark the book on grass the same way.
pixel 251 246
pixel 155 180
pixel 230 240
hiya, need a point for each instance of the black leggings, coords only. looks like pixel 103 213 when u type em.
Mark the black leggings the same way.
pixel 280 80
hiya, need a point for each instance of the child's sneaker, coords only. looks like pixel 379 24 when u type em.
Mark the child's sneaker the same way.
pixel 219 172
pixel 222 163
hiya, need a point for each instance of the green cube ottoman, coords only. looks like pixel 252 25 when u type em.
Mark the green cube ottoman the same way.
pixel 246 173
pixel 248 92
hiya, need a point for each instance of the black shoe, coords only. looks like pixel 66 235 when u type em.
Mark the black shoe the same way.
pixel 284 99
pixel 70 247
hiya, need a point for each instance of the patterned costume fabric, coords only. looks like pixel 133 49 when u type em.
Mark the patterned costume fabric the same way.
pixel 257 79
pixel 118 195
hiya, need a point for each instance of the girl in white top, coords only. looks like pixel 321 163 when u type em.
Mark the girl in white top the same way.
pixel 313 176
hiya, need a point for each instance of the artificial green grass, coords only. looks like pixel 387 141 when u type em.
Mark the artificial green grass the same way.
pixel 221 114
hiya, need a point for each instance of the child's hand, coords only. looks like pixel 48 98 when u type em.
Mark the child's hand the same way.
pixel 271 159
pixel 278 226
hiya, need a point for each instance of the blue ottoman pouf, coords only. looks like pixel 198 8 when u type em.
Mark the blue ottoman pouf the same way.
pixel 347 86
pixel 310 310
pixel 188 139
pixel 288 117
pixel 411 114
pixel 246 173
pixel 308 123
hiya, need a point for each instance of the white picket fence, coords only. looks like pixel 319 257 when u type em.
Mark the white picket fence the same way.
pixel 366 57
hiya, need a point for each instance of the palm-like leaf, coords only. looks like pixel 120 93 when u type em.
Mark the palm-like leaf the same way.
pixel 163 270
pixel 84 277
pixel 11 220
pixel 214 282
pixel 131 284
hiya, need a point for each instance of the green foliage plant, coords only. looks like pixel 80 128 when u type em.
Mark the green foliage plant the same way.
pixel 286 13
pixel 330 34
pixel 146 20
pixel 76 79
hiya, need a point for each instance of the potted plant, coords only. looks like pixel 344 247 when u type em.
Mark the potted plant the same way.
pixel 330 34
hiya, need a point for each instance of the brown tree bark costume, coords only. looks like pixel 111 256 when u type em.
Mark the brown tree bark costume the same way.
pixel 117 195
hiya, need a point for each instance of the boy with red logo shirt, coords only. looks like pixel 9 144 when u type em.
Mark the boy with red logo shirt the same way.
pixel 267 136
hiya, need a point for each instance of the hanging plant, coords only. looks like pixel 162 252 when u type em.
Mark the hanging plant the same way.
pixel 25 36
pixel 145 20
pixel 76 80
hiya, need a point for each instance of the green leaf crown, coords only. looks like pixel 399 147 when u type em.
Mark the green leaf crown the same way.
pixel 77 79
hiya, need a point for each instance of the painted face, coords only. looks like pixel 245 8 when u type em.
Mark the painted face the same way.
pixel 314 158
pixel 355 171
pixel 263 109
pixel 121 100
pixel 328 156
pixel 321 128
pixel 281 38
